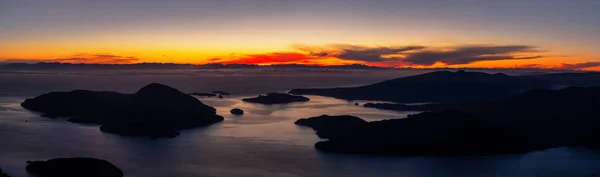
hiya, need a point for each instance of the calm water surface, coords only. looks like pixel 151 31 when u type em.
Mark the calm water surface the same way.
pixel 264 142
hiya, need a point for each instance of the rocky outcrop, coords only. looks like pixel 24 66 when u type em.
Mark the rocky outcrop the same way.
pixel 73 167
pixel 276 98
pixel 405 107
pixel 155 110
pixel 237 111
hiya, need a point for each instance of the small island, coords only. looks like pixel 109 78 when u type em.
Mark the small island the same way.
pixel 73 167
pixel 156 110
pixel 237 111
pixel 201 94
pixel 276 98
pixel 332 126
pixel 221 92
pixel 405 107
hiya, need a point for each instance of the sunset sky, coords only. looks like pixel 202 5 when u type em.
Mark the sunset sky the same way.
pixel 561 34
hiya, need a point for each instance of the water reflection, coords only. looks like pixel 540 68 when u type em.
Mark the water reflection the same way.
pixel 262 142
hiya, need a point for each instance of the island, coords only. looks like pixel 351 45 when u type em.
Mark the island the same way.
pixel 276 98
pixel 221 92
pixel 406 107
pixel 237 111
pixel 535 120
pixel 155 110
pixel 73 167
pixel 444 133
pixel 332 126
pixel 444 87
pixel 204 94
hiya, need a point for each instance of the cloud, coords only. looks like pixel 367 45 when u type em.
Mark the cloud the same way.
pixel 420 55
pixel 579 66
pixel 470 54
pixel 86 58
pixel 373 54
pixel 19 60
pixel 356 52
pixel 97 59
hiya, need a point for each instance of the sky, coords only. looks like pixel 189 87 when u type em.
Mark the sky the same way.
pixel 560 34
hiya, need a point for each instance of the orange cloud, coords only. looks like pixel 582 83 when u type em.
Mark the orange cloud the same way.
pixel 89 58
pixel 82 58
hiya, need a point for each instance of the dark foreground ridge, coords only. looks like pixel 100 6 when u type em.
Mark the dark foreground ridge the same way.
pixel 73 167
pixel 156 110
pixel 534 120
pixel 439 87
pixel 446 133
pixel 405 107
pixel 2 174
pixel 552 118
pixel 276 98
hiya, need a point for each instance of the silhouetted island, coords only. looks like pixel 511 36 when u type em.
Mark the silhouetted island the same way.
pixel 237 111
pixel 331 126
pixel 156 110
pixel 444 133
pixel 551 118
pixel 439 87
pixel 204 94
pixel 535 120
pixel 73 167
pixel 221 92
pixel 276 98
pixel 406 107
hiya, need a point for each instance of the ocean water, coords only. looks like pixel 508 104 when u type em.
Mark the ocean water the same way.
pixel 264 142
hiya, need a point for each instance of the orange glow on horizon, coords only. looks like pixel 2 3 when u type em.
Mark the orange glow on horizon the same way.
pixel 263 57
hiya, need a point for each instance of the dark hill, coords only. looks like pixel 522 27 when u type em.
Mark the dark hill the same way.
pixel 444 133
pixel 536 119
pixel 155 110
pixel 441 86
pixel 565 117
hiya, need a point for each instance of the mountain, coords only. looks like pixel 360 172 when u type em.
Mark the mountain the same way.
pixel 440 86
